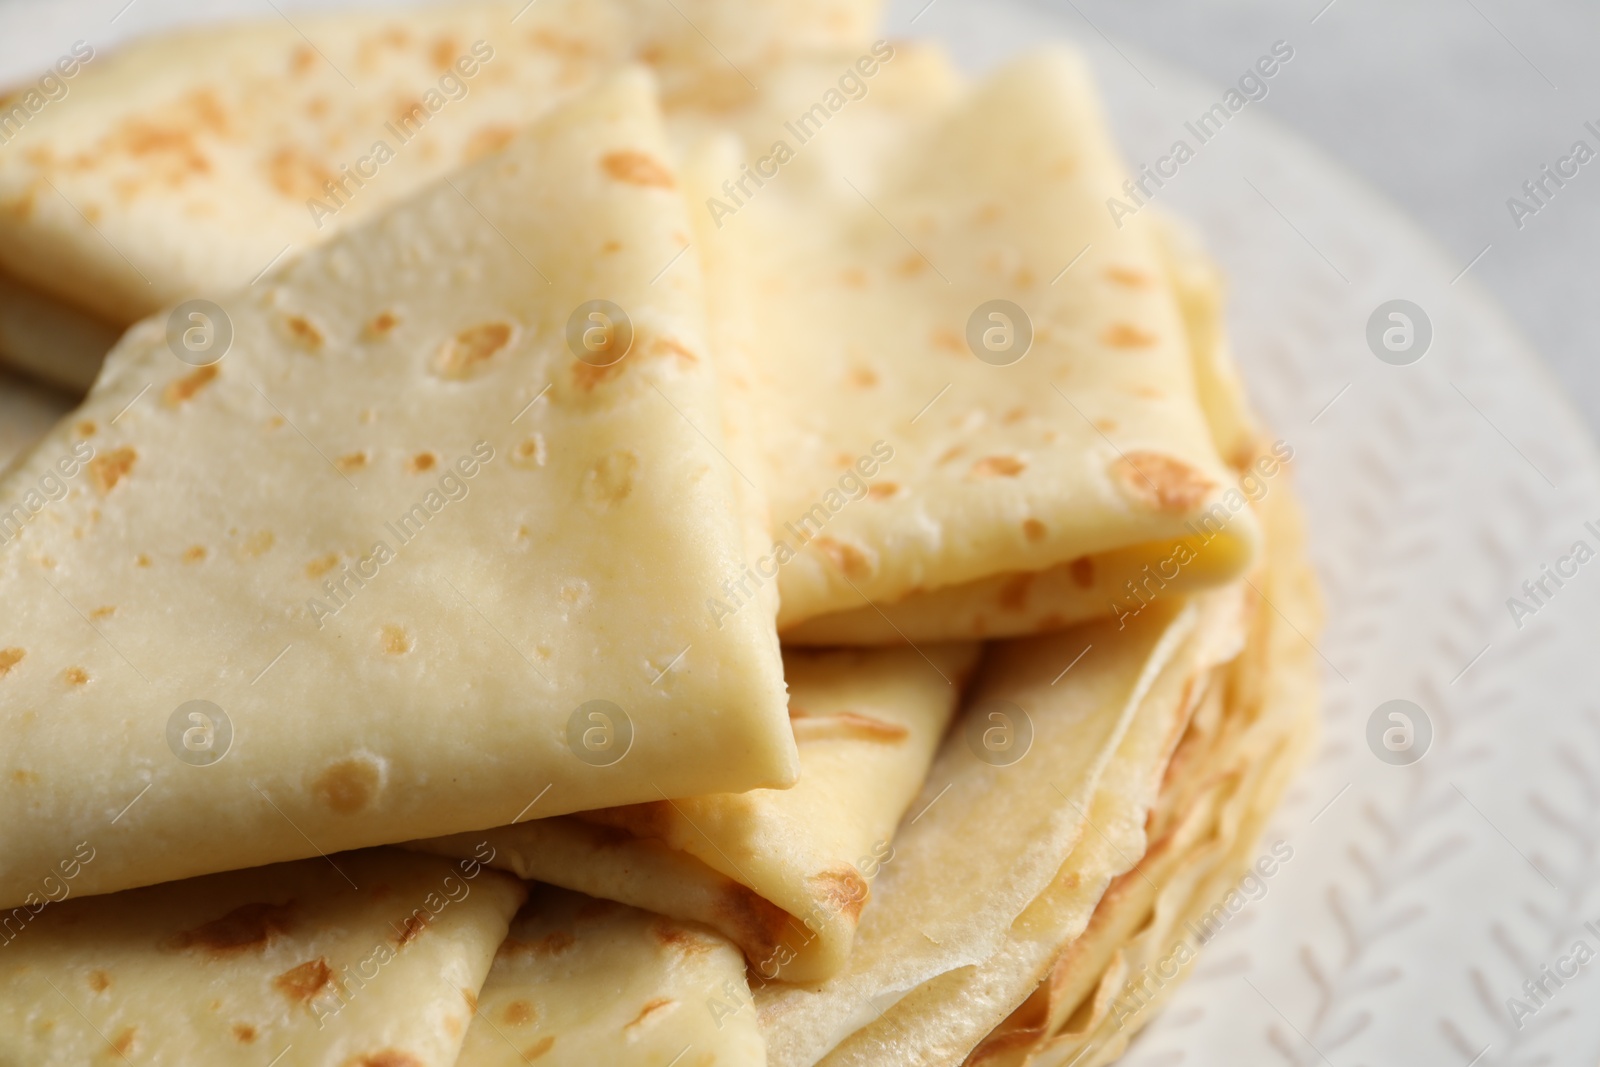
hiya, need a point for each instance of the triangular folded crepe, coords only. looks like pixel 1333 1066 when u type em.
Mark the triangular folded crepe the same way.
pixel 583 982
pixel 193 161
pixel 783 873
pixel 362 958
pixel 940 907
pixel 919 491
pixel 435 571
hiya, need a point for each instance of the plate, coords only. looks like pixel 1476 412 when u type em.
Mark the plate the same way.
pixel 1433 875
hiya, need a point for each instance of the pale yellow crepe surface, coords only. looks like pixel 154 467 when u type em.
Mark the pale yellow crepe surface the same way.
pixel 865 269
pixel 354 960
pixel 582 982
pixel 784 873
pixel 190 161
pixel 564 522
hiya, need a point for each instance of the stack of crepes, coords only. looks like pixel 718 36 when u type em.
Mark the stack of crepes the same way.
pixel 717 549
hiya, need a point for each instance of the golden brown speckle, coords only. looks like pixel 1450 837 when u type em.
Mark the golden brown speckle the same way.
pixel 111 467
pixel 422 461
pixel 181 389
pixel 998 466
pixel 464 354
pixel 347 786
pixel 304 334
pixel 194 553
pixel 75 676
pixel 636 168
pixel 322 565
pixel 1124 335
pixel 9 658
pixel 396 642
pixel 300 984
pixel 1034 530
pixel 1160 481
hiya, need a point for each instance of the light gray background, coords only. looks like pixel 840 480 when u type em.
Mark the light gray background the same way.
pixel 1447 107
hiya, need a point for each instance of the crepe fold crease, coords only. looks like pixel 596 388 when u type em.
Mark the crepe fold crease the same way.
pixel 399 541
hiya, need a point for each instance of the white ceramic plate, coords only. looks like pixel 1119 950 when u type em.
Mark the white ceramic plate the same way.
pixel 1419 897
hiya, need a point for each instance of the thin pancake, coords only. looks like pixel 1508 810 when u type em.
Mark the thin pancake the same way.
pixel 783 873
pixel 581 982
pixel 401 537
pixel 899 462
pixel 363 958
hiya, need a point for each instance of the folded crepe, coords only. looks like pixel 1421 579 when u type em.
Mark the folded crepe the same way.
pixel 581 982
pixel 424 568
pixel 1070 700
pixel 1090 959
pixel 782 873
pixel 925 485
pixel 359 958
pixel 197 159
pixel 1220 789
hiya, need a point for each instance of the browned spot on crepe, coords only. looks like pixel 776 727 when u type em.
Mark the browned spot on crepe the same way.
pixel 538 1048
pixel 998 467
pixel 346 786
pixel 381 324
pixel 854 561
pixel 845 725
pixel 351 461
pixel 247 927
pixel 636 168
pixel 464 354
pixel 753 922
pixel 1129 277
pixel 302 983
pixel 652 818
pixel 388 1057
pixel 517 1013
pixel 649 1009
pixel 194 553
pixel 1082 571
pixel 842 889
pixel 396 642
pixel 99 981
pixel 422 461
pixel 244 1033
pixel 182 389
pixel 1124 335
pixel 412 928
pixel 322 565
pixel 1034 530
pixel 669 934
pixel 883 490
pixel 75 676
pixel 9 658
pixel 110 468
pixel 1159 481
pixel 487 140
pixel 303 332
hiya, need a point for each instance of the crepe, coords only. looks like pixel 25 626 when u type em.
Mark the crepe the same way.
pixel 581 982
pixel 939 907
pixel 360 958
pixel 1220 791
pixel 428 569
pixel 194 161
pixel 920 492
pixel 783 873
